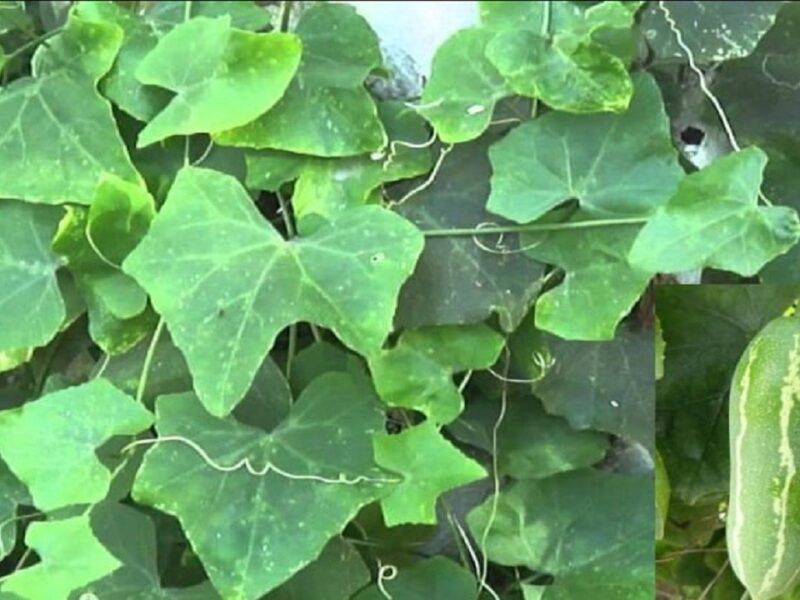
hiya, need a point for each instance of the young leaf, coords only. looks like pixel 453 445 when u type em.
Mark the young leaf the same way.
pixel 459 97
pixel 71 558
pixel 94 243
pixel 31 307
pixel 50 443
pixel 714 220
pixel 430 466
pixel 592 158
pixel 326 111
pixel 252 532
pixel 436 578
pixel 59 135
pixel 551 525
pixel 228 80
pixel 418 372
pixel 662 496
pixel 227 283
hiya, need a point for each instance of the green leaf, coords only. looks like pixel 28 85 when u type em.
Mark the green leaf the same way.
pixel 12 494
pixel 13 17
pixel 714 220
pixel 714 31
pixel 93 244
pixel 551 525
pixel 230 79
pixel 662 496
pixel 706 329
pixel 253 532
pixel 244 14
pixel 600 286
pixel 599 385
pixel 418 371
pixel 430 466
pixel 761 98
pixel 59 135
pixel 578 77
pixel 326 110
pixel 71 557
pixel 531 444
pixel 337 574
pixel 456 281
pixel 31 307
pixel 592 158
pixel 464 86
pixel 436 578
pixel 50 443
pixel 130 537
pixel 328 186
pixel 210 237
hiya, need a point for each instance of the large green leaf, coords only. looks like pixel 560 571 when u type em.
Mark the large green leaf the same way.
pixel 713 30
pixel 337 574
pixel 71 557
pixel 598 385
pixel 436 578
pixel 591 530
pixel 418 371
pixel 592 158
pixel 94 243
pixel 254 531
pixel 456 281
pixel 464 86
pixel 326 111
pixel 706 329
pixel 230 79
pixel 227 283
pixel 714 220
pixel 31 307
pixel 430 466
pixel 59 136
pixel 130 537
pixel 12 494
pixel 50 443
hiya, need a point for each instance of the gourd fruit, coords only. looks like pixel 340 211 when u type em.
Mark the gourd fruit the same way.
pixel 763 524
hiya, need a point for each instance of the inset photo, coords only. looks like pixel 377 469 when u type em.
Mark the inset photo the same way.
pixel 728 442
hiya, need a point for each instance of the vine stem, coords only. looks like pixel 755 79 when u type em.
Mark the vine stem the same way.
pixel 148 360
pixel 532 227
pixel 714 581
pixel 37 40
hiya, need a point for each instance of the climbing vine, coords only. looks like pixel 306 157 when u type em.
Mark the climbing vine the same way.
pixel 279 321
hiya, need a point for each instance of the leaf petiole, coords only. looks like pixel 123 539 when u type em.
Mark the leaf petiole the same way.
pixel 533 227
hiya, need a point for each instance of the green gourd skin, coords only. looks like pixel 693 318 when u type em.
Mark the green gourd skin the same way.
pixel 763 523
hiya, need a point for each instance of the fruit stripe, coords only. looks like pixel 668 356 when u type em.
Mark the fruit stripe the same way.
pixel 789 392
pixel 738 524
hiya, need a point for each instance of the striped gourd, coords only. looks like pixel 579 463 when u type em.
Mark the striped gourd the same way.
pixel 763 526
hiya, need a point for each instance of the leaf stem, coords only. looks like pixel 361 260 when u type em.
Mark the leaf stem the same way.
pixel 37 40
pixel 148 360
pixel 532 227
pixel 285 14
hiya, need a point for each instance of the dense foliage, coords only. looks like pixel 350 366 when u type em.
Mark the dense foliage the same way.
pixel 268 332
